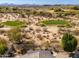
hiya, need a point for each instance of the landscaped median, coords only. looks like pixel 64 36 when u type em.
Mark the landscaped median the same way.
pixel 55 22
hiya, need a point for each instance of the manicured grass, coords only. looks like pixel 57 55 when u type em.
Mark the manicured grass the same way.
pixel 55 22
pixel 13 23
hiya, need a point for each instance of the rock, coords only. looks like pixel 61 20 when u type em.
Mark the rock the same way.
pixel 28 35
pixel 40 36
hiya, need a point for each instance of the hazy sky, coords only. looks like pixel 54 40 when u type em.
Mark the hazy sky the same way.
pixel 40 1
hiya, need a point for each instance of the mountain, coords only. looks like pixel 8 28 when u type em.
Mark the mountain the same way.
pixel 11 4
pixel 6 4
pixel 34 5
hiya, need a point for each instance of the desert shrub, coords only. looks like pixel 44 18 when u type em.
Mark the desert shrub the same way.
pixel 3 47
pixel 58 10
pixel 69 42
pixel 75 8
pixel 15 36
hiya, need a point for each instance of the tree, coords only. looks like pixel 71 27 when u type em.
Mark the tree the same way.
pixel 69 42
pixel 3 46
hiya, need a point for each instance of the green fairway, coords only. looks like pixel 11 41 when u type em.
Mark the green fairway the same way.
pixel 55 22
pixel 13 23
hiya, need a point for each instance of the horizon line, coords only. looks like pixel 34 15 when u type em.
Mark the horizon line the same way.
pixel 39 4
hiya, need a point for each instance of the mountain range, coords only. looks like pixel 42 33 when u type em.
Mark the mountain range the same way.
pixel 12 4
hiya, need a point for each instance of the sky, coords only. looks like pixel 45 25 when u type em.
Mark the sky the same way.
pixel 40 1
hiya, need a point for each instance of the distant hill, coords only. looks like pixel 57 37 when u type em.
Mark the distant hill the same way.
pixel 6 4
pixel 28 5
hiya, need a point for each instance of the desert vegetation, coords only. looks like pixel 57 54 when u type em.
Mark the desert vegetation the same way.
pixel 69 42
pixel 13 23
pixel 3 47
pixel 39 28
pixel 56 22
